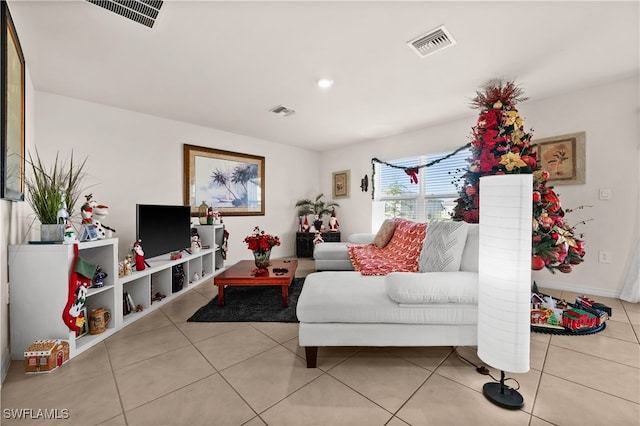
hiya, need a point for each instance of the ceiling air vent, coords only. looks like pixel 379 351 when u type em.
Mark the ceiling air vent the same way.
pixel 282 111
pixel 144 12
pixel 431 42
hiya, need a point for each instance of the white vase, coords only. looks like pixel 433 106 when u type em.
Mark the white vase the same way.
pixel 52 232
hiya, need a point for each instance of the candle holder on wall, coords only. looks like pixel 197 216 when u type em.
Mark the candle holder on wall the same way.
pixel 364 183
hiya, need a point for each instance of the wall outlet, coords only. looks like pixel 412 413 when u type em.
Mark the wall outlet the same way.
pixel 604 256
pixel 604 194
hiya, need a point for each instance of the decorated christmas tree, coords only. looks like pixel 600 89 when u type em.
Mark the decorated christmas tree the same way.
pixel 500 145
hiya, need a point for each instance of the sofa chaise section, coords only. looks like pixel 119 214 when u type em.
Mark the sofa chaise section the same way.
pixel 346 308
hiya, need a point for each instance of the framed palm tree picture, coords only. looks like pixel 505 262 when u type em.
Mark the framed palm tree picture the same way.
pixel 230 182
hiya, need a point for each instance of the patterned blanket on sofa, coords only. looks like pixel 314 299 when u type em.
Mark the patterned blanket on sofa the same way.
pixel 399 255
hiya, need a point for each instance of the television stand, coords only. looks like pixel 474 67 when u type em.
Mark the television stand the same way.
pixel 50 282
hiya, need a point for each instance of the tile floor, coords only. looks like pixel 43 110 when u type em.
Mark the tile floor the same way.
pixel 162 370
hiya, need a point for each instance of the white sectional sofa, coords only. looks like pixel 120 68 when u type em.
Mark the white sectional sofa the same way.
pixel 334 256
pixel 346 308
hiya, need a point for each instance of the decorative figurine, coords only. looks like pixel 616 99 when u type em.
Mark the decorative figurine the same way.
pixel 196 245
pixel 69 235
pixel 333 221
pixel 139 255
pixel 305 225
pixel 318 238
pixel 100 212
pixel 63 214
pixel 210 216
pixel 98 277
pixel 128 264
pixel 88 231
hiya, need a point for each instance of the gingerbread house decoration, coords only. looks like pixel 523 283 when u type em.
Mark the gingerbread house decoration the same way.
pixel 44 356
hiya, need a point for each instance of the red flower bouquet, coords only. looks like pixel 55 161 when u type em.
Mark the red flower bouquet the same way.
pixel 261 242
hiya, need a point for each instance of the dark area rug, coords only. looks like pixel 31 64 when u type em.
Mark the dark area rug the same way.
pixel 252 304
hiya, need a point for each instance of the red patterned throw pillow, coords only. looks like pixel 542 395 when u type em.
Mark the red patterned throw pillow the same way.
pixel 399 255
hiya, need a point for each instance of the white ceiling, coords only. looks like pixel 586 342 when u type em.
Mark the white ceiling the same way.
pixel 225 64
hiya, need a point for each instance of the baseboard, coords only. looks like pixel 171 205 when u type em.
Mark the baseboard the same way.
pixel 592 291
pixel 6 363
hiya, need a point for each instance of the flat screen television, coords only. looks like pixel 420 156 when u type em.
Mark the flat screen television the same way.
pixel 163 228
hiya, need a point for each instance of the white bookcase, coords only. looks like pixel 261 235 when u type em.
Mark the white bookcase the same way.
pixel 39 289
pixel 39 282
pixel 157 277
pixel 212 236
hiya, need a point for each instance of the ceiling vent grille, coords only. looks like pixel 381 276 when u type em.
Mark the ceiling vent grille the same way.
pixel 282 111
pixel 144 12
pixel 431 42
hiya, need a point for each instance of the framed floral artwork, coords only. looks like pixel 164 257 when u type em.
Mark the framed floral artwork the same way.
pixel 230 182
pixel 341 184
pixel 563 157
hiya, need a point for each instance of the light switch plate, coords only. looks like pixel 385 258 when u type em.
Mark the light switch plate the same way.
pixel 604 194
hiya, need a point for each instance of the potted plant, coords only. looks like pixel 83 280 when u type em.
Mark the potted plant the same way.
pixel 53 192
pixel 318 208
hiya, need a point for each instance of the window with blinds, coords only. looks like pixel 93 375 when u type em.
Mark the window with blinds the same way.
pixel 432 198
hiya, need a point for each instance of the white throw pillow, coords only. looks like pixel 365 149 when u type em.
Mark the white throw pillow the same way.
pixel 433 287
pixel 442 248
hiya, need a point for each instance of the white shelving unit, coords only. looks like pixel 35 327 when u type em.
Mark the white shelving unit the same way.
pixel 157 277
pixel 39 280
pixel 39 287
pixel 212 236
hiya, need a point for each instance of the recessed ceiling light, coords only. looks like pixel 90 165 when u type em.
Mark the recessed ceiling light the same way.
pixel 325 83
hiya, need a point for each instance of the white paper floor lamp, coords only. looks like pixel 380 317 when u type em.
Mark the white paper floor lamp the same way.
pixel 505 280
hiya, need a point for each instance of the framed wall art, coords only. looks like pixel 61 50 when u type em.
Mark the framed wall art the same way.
pixel 341 184
pixel 12 107
pixel 230 182
pixel 563 157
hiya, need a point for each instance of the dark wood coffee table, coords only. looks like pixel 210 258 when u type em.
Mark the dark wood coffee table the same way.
pixel 242 273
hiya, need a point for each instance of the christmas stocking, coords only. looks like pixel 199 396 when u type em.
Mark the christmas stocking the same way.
pixel 79 280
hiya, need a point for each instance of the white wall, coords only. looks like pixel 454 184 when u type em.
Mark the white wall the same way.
pixel 12 230
pixel 137 158
pixel 608 114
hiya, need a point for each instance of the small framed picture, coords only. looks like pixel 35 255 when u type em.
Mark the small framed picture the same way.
pixel 83 322
pixel 563 157
pixel 341 184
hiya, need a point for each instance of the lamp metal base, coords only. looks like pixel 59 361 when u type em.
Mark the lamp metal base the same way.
pixel 502 395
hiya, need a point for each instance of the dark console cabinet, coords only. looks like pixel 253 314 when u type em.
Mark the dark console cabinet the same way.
pixel 304 242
